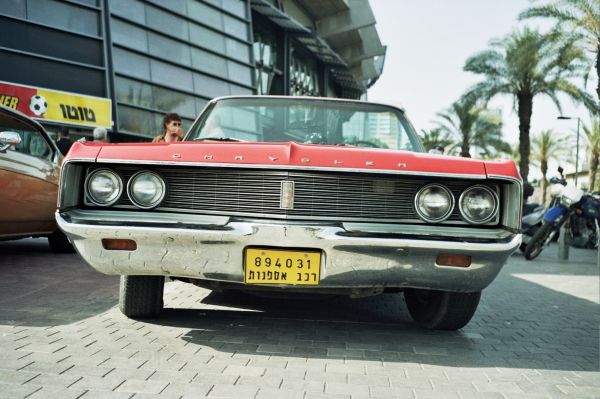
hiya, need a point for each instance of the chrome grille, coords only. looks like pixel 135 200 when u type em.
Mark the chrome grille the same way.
pixel 317 195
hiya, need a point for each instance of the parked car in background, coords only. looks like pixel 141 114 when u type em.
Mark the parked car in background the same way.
pixel 291 194
pixel 29 174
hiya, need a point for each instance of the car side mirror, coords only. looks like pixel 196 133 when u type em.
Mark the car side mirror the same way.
pixel 8 139
pixel 554 180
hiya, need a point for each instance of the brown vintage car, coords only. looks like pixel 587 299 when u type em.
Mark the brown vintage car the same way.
pixel 29 172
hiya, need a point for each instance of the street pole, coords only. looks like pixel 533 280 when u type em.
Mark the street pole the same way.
pixel 563 240
pixel 562 117
pixel 577 154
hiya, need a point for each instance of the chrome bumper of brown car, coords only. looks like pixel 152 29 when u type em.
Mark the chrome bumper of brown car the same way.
pixel 212 248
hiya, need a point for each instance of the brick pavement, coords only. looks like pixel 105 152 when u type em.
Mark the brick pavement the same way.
pixel 535 335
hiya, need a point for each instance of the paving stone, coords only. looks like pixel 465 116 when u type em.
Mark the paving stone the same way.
pixel 11 391
pixel 392 392
pixel 314 395
pixel 238 392
pixel 244 371
pixel 52 392
pixel 297 384
pixel 346 389
pixel 16 377
pixel 272 393
pixel 98 383
pixel 194 389
pixel 142 386
pixel 261 381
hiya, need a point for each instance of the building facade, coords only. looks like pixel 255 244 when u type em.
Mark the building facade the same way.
pixel 146 58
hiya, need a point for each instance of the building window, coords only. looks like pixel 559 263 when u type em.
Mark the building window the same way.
pixel 304 77
pixel 267 57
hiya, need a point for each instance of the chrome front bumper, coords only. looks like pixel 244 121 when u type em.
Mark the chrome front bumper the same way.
pixel 212 248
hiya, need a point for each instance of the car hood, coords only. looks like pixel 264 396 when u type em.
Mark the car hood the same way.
pixel 293 155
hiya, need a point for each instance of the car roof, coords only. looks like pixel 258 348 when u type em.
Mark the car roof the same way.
pixel 15 113
pixel 21 115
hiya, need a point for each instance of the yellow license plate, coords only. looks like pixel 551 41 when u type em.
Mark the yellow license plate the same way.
pixel 280 266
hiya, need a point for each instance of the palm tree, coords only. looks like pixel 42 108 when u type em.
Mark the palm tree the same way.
pixel 526 64
pixel 592 134
pixel 581 18
pixel 436 137
pixel 547 146
pixel 473 125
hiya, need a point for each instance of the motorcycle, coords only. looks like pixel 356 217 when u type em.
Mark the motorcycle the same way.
pixel 572 205
pixel 533 214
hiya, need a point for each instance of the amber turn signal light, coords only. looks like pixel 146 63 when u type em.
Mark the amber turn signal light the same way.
pixel 453 260
pixel 119 244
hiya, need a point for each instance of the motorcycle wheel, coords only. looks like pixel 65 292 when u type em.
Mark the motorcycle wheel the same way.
pixel 540 239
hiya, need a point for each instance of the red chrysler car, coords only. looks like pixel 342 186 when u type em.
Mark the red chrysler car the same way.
pixel 292 194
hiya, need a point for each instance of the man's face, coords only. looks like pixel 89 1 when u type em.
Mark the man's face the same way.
pixel 173 126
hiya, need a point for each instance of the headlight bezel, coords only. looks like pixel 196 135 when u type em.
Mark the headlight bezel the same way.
pixel 491 216
pixel 136 202
pixel 448 212
pixel 88 192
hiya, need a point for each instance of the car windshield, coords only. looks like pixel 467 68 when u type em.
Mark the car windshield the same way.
pixel 315 121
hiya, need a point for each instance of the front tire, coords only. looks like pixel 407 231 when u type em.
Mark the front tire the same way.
pixel 538 242
pixel 441 310
pixel 141 296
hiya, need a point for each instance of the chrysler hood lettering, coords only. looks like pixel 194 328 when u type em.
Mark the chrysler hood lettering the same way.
pixel 292 154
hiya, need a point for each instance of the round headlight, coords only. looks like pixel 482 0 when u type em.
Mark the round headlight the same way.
pixel 104 187
pixel 434 203
pixel 478 204
pixel 146 189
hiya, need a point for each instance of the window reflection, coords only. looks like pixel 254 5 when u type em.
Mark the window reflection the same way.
pixel 64 16
pixel 304 79
pixel 268 67
pixel 128 35
pixel 150 96
pixel 131 64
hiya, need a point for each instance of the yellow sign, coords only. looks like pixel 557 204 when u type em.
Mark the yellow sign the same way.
pixel 57 106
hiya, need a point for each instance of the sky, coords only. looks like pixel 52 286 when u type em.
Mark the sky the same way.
pixel 428 42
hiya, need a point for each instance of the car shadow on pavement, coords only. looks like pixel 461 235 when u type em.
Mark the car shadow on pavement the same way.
pixel 519 324
pixel 40 288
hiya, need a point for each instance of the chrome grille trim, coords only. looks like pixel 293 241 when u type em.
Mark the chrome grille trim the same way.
pixel 325 196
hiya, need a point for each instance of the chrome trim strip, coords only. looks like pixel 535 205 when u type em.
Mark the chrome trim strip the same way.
pixel 439 231
pixel 79 216
pixel 332 99
pixel 292 167
pixel 70 160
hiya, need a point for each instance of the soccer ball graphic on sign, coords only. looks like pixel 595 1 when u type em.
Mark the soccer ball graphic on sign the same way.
pixel 38 105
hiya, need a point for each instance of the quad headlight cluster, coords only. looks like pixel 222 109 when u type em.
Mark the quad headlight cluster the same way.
pixel 477 204
pixel 145 189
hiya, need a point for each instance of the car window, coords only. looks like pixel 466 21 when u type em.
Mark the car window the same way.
pixel 307 121
pixel 32 141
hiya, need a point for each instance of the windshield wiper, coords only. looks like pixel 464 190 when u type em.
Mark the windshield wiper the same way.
pixel 217 139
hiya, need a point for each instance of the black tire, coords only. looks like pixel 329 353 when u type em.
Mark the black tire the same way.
pixel 59 243
pixel 441 310
pixel 141 296
pixel 538 242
